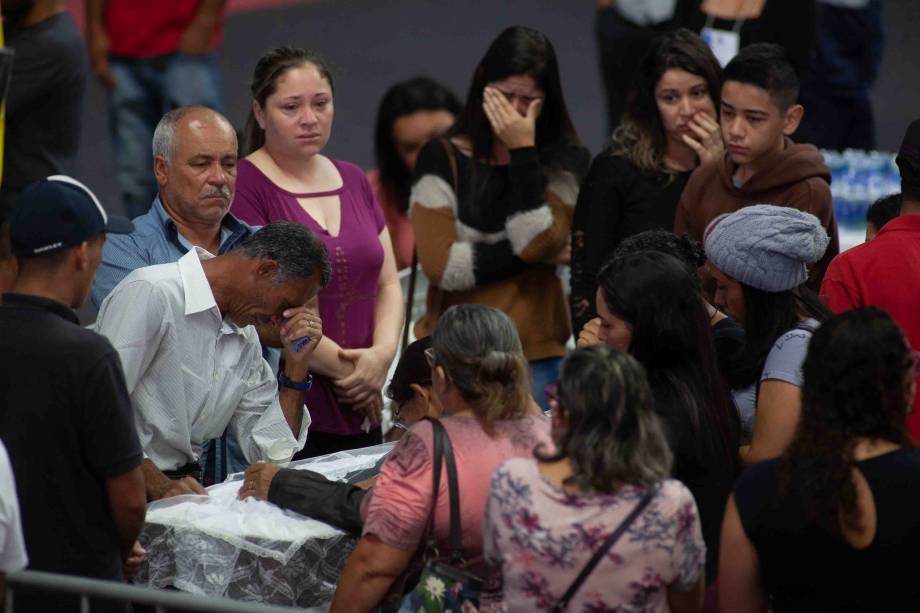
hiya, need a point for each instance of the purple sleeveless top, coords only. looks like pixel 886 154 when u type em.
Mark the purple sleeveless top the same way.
pixel 348 304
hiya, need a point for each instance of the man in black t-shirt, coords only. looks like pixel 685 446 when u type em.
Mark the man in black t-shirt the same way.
pixel 65 414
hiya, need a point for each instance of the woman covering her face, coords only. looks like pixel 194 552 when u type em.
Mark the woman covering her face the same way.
pixel 669 128
pixel 492 202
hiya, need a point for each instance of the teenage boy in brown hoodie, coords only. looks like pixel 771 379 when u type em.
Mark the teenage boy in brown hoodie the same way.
pixel 761 165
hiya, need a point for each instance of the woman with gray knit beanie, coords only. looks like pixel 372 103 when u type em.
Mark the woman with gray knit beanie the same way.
pixel 759 256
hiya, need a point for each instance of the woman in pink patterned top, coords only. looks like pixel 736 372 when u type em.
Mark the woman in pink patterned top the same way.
pixel 285 176
pixel 480 375
pixel 546 518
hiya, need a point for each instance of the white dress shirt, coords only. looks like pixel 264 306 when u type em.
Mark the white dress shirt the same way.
pixel 190 371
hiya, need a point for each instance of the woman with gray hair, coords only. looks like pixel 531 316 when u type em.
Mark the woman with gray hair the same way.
pixel 546 517
pixel 481 377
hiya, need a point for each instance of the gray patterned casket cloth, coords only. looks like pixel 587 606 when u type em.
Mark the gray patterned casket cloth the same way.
pixel 252 550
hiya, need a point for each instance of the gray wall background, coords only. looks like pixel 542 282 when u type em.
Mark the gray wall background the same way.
pixel 372 43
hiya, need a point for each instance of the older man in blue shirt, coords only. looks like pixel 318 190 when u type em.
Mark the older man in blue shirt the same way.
pixel 195 154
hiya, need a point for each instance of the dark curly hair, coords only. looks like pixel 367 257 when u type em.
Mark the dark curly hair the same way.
pixel 688 251
pixel 854 387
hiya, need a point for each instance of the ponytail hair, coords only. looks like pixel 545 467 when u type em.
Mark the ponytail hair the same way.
pixel 269 69
pixel 480 351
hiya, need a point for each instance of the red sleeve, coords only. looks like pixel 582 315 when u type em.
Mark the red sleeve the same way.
pixel 838 291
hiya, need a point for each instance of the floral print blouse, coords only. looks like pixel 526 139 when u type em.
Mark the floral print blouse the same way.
pixel 537 538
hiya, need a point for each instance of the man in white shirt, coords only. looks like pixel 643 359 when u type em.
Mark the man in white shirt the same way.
pixel 192 359
pixel 12 546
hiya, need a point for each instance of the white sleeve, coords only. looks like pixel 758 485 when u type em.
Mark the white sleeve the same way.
pixel 258 422
pixel 12 546
pixel 133 317
pixel 137 319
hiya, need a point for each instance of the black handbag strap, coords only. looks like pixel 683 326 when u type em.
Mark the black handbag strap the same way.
pixel 609 542
pixel 442 449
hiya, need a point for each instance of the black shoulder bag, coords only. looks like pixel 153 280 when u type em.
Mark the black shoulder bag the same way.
pixel 562 603
pixel 429 572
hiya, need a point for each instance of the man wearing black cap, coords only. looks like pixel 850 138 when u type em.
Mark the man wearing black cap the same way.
pixel 65 414
pixel 886 271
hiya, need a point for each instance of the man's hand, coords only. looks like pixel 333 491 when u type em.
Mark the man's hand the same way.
pixel 130 566
pixel 298 323
pixel 707 141
pixel 198 37
pixel 588 336
pixel 372 409
pixel 366 380
pixel 257 480
pixel 97 44
pixel 160 486
pixel 182 487
pixel 512 129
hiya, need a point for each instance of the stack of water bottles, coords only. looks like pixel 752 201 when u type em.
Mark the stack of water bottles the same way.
pixel 859 178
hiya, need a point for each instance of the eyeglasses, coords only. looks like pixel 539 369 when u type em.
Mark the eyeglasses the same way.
pixel 429 356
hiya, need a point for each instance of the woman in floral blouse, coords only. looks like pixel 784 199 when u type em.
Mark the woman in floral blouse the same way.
pixel 546 517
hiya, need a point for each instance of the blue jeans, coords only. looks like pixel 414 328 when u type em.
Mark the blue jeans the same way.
pixel 542 373
pixel 145 89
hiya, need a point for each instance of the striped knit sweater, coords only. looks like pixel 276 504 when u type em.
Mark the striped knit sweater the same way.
pixel 493 246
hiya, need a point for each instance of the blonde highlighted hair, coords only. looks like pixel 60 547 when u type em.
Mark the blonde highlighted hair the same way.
pixel 480 351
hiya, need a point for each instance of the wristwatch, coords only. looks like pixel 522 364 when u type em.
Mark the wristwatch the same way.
pixel 286 381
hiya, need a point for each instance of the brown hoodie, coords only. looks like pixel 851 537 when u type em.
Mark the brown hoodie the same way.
pixel 795 176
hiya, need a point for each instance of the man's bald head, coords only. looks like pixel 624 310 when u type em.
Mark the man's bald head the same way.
pixel 194 152
pixel 164 137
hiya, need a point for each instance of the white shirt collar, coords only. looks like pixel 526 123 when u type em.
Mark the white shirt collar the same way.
pixel 198 294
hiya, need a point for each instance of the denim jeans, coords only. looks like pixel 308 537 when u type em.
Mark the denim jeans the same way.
pixel 542 373
pixel 145 89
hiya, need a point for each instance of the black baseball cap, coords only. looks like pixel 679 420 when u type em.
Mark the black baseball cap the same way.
pixel 58 213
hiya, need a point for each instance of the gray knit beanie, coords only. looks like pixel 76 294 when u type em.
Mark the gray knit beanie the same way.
pixel 766 246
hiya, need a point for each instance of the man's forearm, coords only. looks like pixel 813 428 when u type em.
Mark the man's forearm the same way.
pixel 94 13
pixel 155 482
pixel 210 10
pixel 128 504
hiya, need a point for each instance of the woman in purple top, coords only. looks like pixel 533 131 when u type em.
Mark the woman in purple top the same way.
pixel 284 176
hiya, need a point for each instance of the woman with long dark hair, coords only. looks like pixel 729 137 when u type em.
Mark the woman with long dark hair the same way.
pixel 285 176
pixel 650 307
pixel 492 202
pixel 410 114
pixel 832 524
pixel 610 451
pixel 670 127
pixel 758 257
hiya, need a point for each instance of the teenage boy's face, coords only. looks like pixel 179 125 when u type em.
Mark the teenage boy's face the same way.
pixel 752 124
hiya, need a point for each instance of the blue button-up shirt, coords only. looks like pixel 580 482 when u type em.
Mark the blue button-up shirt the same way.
pixel 155 240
